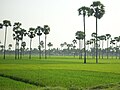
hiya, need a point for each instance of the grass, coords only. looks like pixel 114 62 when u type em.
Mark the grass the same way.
pixel 63 72
pixel 8 84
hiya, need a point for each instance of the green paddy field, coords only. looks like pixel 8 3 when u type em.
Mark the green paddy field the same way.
pixel 59 73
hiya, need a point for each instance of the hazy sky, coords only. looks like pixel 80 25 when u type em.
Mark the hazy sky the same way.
pixel 61 16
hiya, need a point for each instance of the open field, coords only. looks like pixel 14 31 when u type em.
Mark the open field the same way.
pixel 59 73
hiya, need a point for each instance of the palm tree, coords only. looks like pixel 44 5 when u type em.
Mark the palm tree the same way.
pixel 17 37
pixel 98 38
pixel 93 47
pixel 65 45
pixel 119 47
pixel 46 31
pixel 80 36
pixel 102 37
pixel 9 47
pixel 74 42
pixel 2 47
pixel 88 43
pixel 108 36
pixel 97 9
pixel 61 45
pixel 31 35
pixel 42 45
pixel 49 45
pixel 23 44
pixel 113 43
pixel 117 40
pixel 6 23
pixel 38 32
pixel 83 11
pixel 22 34
pixel 94 41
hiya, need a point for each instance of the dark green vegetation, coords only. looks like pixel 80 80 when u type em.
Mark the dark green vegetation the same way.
pixel 60 73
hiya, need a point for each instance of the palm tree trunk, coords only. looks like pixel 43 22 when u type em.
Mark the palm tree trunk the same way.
pixel 39 49
pixel 84 40
pixel 5 41
pixel 45 47
pixel 30 48
pixel 96 43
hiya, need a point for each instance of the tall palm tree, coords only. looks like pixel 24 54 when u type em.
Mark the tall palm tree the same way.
pixel 108 36
pixel 49 45
pixel 97 9
pixel 102 37
pixel 31 35
pixel 6 23
pixel 38 32
pixel 46 31
pixel 84 11
pixel 80 36
pixel 17 37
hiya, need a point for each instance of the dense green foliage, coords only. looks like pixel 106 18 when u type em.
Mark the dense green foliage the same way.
pixel 61 72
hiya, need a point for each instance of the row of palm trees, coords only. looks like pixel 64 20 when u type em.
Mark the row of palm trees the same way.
pixel 112 45
pixel 19 34
pixel 96 9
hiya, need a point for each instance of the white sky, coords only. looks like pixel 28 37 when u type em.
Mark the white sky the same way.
pixel 61 16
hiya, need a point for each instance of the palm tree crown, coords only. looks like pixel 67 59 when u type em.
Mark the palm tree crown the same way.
pixel 79 35
pixel 84 10
pixel 97 9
